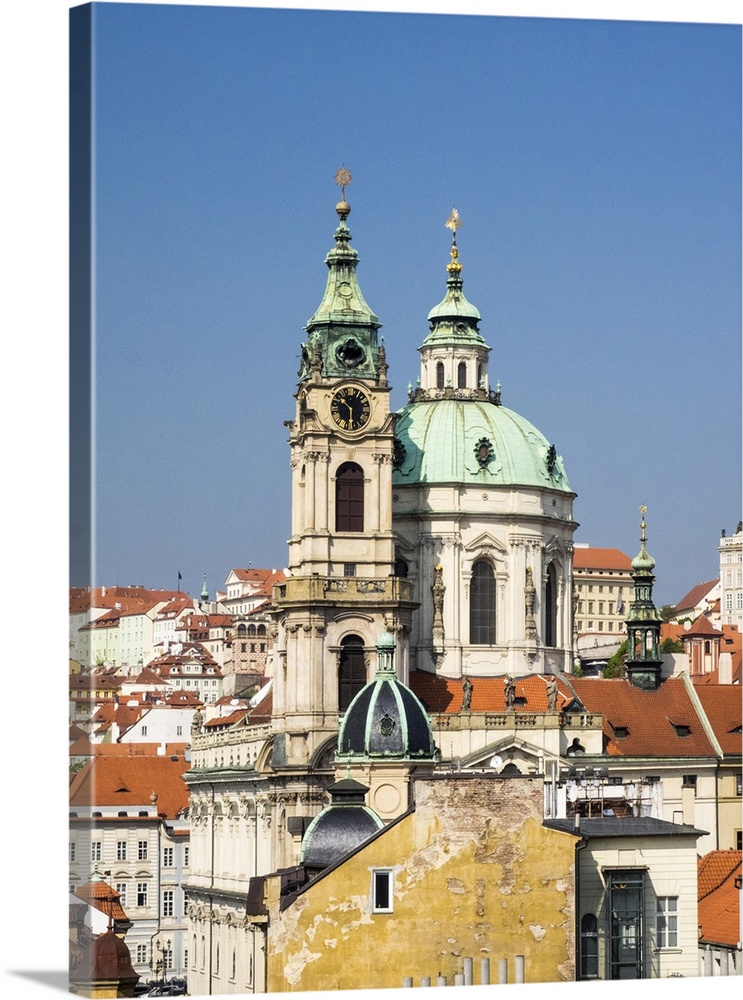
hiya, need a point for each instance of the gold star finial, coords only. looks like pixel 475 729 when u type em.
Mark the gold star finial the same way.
pixel 343 179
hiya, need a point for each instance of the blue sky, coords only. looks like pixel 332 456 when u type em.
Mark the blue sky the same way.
pixel 596 166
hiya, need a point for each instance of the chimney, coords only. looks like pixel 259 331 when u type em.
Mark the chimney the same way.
pixel 725 665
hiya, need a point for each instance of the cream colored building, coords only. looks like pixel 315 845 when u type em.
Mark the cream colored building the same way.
pixel 731 578
pixel 603 589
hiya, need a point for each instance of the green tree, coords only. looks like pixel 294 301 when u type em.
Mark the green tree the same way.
pixel 615 666
pixel 670 645
pixel 666 612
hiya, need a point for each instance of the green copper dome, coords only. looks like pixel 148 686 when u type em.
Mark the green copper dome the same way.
pixel 473 442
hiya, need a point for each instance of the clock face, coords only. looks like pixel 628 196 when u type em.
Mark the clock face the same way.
pixel 350 408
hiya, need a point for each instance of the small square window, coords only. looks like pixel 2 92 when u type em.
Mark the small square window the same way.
pixel 382 890
pixel 349 569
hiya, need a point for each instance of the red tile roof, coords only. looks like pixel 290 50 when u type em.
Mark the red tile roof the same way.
pixel 702 626
pixel 110 780
pixel 590 558
pixel 103 897
pixel 696 595
pixel 441 695
pixel 651 718
pixel 138 749
pixel 722 706
pixel 718 915
pixel 84 598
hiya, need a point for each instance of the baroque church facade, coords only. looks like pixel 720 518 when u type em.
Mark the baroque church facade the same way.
pixel 434 542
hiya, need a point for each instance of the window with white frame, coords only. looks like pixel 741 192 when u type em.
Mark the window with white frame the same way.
pixel 142 850
pixel 73 850
pixel 95 850
pixel 666 921
pixel 185 904
pixel 141 894
pixel 141 954
pixel 167 857
pixel 382 890
pixel 167 902
pixel 121 889
pixel 121 850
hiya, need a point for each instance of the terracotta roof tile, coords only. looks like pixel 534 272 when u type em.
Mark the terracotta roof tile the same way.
pixel 121 781
pixel 591 558
pixel 719 900
pixel 702 626
pixel 441 695
pixel 651 718
pixel 696 595
pixel 722 706
pixel 99 894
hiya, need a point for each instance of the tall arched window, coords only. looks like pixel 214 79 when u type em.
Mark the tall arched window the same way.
pixel 351 671
pixel 482 605
pixel 550 607
pixel 462 375
pixel 479 377
pixel 589 946
pixel 440 375
pixel 349 498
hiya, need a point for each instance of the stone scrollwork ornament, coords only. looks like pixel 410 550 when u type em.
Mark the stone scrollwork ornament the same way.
pixel 530 625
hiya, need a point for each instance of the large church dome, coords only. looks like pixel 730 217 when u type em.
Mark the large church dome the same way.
pixel 473 442
pixel 482 510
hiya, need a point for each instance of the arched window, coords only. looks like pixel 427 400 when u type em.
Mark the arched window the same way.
pixel 351 671
pixel 241 630
pixel 589 946
pixel 349 498
pixel 479 377
pixel 482 605
pixel 251 629
pixel 234 963
pixel 439 374
pixel 550 607
pixel 261 630
pixel 400 568
pixel 462 375
pixel 707 646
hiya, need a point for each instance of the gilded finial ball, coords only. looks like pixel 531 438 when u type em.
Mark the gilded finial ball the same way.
pixel 343 208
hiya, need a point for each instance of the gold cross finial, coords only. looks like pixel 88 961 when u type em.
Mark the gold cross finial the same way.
pixel 643 512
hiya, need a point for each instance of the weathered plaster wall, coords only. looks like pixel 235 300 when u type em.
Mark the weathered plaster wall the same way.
pixel 475 875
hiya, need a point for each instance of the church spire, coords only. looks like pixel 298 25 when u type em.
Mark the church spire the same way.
pixel 343 329
pixel 643 622
pixel 454 355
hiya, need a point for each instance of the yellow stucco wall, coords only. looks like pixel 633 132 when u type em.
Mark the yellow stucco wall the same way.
pixel 475 875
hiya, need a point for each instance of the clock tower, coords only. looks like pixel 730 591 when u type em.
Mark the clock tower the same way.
pixel 341 590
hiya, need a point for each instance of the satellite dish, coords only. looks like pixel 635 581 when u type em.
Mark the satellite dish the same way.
pixel 496 762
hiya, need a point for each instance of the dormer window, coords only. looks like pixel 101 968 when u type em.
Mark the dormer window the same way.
pixel 682 730
pixel 620 732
